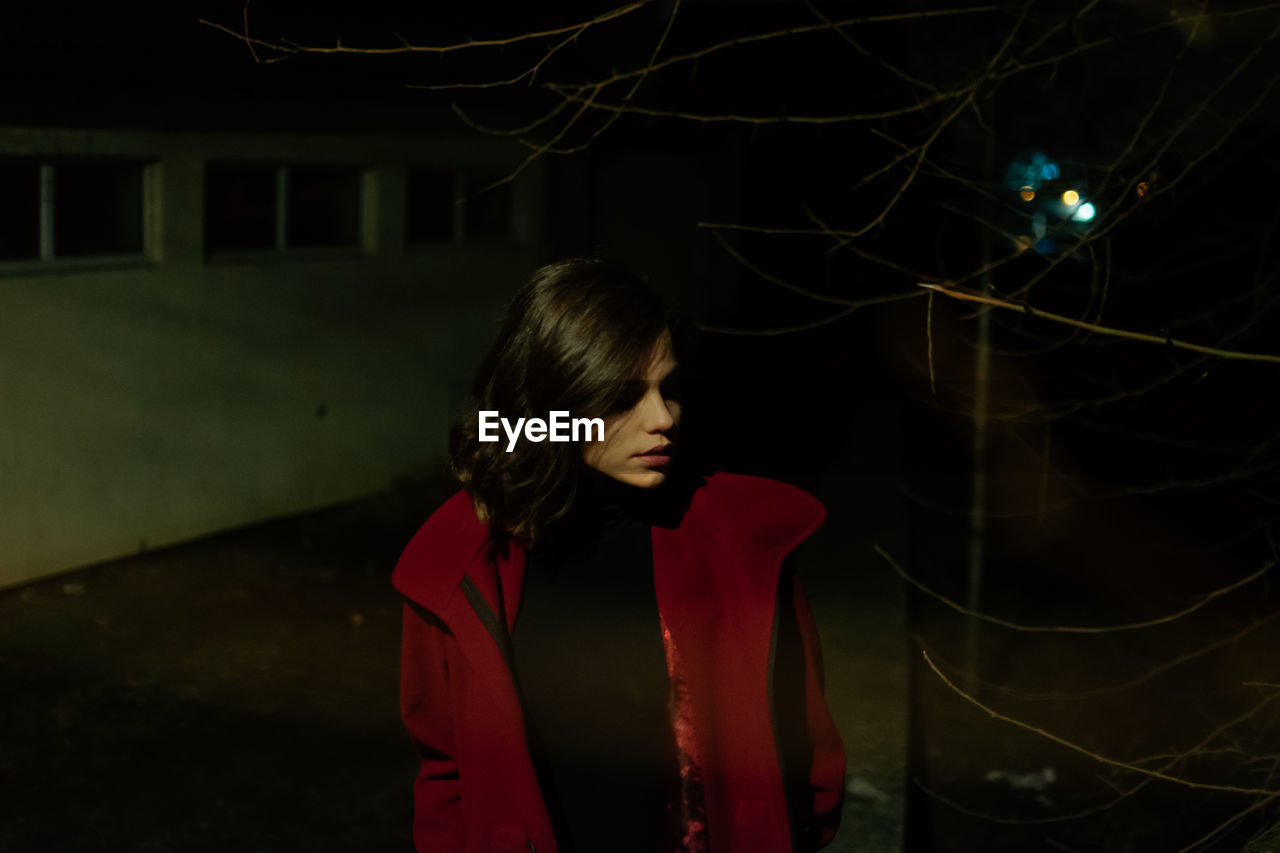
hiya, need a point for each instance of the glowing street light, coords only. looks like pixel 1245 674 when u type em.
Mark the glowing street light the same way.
pixel 1070 198
pixel 1084 212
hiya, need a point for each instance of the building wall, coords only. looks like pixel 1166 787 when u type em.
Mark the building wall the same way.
pixel 153 399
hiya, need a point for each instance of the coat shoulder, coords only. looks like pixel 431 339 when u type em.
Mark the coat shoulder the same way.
pixel 442 550
pixel 766 513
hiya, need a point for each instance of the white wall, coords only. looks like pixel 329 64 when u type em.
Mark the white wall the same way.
pixel 148 401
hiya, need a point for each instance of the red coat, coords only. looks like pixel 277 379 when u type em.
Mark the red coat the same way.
pixel 716 577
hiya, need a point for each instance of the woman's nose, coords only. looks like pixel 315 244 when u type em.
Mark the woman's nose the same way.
pixel 657 414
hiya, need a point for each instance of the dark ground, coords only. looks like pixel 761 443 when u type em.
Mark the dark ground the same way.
pixel 240 692
pixel 236 693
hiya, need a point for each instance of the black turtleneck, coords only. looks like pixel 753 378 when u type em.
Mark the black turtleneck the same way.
pixel 592 672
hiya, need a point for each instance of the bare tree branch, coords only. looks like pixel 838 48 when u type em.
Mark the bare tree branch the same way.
pixel 287 48
pixel 714 118
pixel 1093 327
pixel 1112 689
pixel 1073 629
pixel 756 38
pixel 1096 756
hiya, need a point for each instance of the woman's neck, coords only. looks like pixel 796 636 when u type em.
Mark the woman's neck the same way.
pixel 603 503
pixel 601 496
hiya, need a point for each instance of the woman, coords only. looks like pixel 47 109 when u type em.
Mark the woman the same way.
pixel 603 650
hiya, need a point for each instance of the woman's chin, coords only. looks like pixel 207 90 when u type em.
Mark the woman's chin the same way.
pixel 653 479
pixel 649 478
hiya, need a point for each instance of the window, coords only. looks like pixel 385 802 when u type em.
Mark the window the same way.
pixel 54 209
pixel 259 207
pixel 323 207
pixel 20 211
pixel 444 204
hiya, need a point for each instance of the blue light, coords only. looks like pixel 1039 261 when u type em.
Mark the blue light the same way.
pixel 1031 169
pixel 1084 212
pixel 1046 246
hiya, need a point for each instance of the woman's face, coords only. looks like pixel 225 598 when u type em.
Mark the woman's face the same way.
pixel 638 443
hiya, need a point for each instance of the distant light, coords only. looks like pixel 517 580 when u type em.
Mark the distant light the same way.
pixel 1039 225
pixel 1142 188
pixel 1027 193
pixel 1085 212
pixel 1029 170
pixel 1070 197
pixel 1046 246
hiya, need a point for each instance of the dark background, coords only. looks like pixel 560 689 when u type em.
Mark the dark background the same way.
pixel 1124 480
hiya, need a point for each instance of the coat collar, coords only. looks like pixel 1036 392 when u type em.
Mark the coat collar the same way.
pixel 766 515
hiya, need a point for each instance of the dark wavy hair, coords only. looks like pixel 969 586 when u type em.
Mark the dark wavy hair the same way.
pixel 575 338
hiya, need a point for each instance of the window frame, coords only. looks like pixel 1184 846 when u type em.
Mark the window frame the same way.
pixel 466 181
pixel 280 250
pixel 47 259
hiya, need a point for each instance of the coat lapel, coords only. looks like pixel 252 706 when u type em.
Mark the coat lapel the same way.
pixel 484 597
pixel 716 577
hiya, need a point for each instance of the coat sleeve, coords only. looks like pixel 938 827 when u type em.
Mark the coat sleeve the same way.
pixel 426 708
pixel 812 752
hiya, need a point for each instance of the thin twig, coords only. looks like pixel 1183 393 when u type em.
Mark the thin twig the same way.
pixel 823 230
pixel 1114 762
pixel 781 282
pixel 657 48
pixel 530 72
pixel 755 38
pixel 1111 689
pixel 1072 629
pixel 804 327
pixel 738 118
pixel 1225 825
pixel 436 49
pixel 928 333
pixel 1093 327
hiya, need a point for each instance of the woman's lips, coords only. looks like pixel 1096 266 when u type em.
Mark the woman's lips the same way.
pixel 656 456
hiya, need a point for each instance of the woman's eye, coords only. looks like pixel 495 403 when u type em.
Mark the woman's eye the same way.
pixel 626 395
